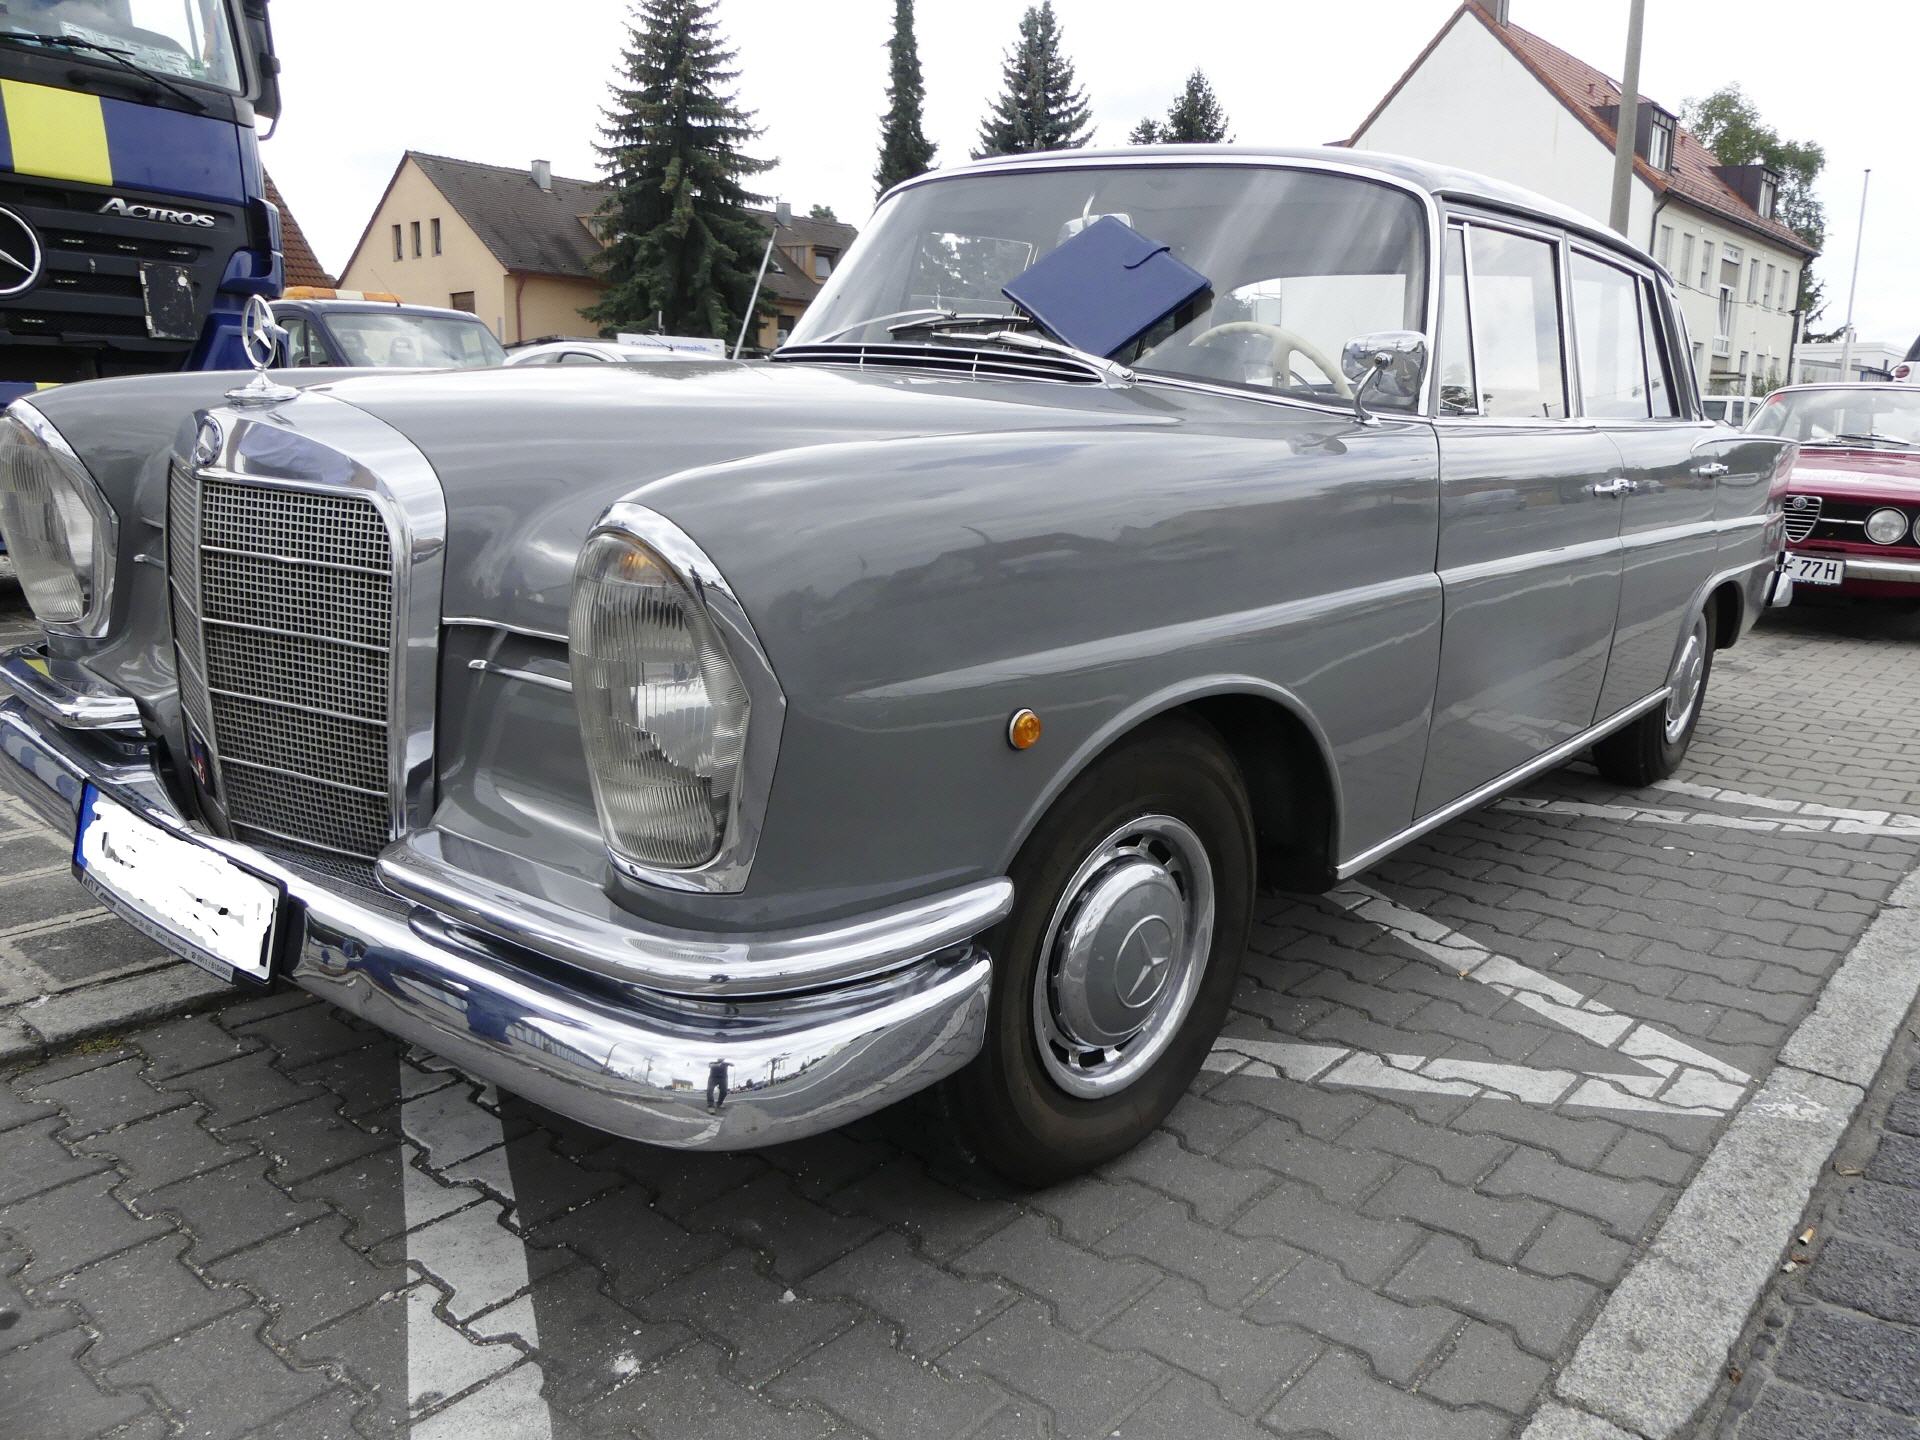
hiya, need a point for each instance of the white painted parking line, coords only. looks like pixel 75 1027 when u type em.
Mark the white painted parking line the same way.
pixel 455 1240
pixel 1661 1074
pixel 1787 817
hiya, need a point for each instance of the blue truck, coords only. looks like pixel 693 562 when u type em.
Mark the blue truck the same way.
pixel 134 220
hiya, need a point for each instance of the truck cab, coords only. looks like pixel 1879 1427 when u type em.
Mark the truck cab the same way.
pixel 134 223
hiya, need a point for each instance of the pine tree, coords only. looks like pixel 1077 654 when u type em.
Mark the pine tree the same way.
pixel 905 150
pixel 1147 132
pixel 683 247
pixel 1196 117
pixel 822 212
pixel 1040 107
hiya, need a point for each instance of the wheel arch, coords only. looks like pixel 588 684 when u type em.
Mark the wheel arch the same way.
pixel 1284 759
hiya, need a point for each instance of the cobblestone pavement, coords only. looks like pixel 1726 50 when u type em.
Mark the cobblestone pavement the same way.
pixel 1834 1353
pixel 1449 1109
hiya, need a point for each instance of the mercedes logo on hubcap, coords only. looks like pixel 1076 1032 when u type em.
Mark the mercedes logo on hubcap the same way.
pixel 20 257
pixel 1146 952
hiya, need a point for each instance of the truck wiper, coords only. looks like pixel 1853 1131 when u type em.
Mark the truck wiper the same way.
pixel 122 58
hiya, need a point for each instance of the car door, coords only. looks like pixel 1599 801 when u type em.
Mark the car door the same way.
pixel 1530 505
pixel 1629 387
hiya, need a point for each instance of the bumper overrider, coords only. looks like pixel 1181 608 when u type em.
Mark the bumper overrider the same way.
pixel 674 1038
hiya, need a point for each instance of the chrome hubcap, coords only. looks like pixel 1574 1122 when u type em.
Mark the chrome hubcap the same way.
pixel 1683 688
pixel 1124 952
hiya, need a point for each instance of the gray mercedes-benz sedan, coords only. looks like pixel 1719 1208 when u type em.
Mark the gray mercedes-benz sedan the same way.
pixel 716 753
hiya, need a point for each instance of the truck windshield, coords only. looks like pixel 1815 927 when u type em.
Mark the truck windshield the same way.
pixel 1299 262
pixel 385 337
pixel 189 40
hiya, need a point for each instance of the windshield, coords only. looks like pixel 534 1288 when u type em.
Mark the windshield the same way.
pixel 1299 262
pixel 374 337
pixel 1870 415
pixel 180 39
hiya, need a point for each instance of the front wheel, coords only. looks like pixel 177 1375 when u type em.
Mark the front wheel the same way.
pixel 1113 973
pixel 1652 747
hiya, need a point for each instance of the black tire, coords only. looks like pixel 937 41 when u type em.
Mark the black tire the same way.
pixel 1007 1111
pixel 1644 752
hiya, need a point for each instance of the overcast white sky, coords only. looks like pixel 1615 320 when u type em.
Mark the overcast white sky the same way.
pixel 505 83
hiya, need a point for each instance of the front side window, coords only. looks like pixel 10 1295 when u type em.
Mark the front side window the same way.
pixel 1298 263
pixel 1663 387
pixel 1516 326
pixel 1608 337
pixel 190 40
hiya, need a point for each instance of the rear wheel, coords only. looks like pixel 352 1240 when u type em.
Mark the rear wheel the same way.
pixel 1114 971
pixel 1652 747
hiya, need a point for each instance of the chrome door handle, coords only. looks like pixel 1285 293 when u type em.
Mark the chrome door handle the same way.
pixel 1621 486
pixel 1710 469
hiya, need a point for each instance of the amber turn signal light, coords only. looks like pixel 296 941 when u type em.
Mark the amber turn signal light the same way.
pixel 1023 730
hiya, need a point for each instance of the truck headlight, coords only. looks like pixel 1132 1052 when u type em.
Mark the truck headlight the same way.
pixel 663 704
pixel 58 526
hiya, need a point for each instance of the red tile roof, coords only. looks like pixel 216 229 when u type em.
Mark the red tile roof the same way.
pixel 1586 92
pixel 303 266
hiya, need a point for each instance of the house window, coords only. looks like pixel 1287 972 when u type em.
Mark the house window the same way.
pixel 436 235
pixel 822 264
pixel 1753 280
pixel 1666 246
pixel 1706 264
pixel 1723 323
pixel 1686 255
pixel 398 253
pixel 1766 293
pixel 462 300
pixel 1769 193
pixel 415 227
pixel 1660 141
pixel 1789 297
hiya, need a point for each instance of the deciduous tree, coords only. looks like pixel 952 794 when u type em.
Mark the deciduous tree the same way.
pixel 682 247
pixel 905 150
pixel 1040 107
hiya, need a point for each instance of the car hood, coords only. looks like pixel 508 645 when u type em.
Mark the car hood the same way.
pixel 1858 474
pixel 530 458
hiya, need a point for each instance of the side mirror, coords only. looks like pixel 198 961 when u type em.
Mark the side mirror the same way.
pixel 1389 363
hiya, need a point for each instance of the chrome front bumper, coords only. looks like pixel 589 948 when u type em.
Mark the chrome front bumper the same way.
pixel 718 1069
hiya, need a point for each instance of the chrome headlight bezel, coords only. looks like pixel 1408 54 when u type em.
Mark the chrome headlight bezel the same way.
pixel 726 871
pixel 96 579
pixel 1894 537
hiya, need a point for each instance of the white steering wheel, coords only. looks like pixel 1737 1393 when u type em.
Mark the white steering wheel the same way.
pixel 1286 345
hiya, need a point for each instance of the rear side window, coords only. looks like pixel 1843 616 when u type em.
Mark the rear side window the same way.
pixel 1609 338
pixel 1516 326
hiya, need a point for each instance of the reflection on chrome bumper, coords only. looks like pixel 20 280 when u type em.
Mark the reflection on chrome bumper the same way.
pixel 682 1071
pixel 1901 571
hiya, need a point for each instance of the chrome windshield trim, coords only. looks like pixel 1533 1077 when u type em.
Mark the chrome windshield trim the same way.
pixel 524 902
pixel 99 613
pixel 727 871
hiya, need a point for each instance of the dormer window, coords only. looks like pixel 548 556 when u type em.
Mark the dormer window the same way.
pixel 1660 141
pixel 1769 193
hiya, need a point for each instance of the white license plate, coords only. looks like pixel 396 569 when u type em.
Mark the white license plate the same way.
pixel 190 898
pixel 1815 570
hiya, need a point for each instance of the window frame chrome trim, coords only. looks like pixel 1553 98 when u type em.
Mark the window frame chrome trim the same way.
pixel 391 472
pixel 96 619
pixel 726 873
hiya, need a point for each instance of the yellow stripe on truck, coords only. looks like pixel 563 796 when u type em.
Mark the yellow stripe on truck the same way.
pixel 57 134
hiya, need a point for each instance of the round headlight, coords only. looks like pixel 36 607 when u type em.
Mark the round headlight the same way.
pixel 1886 527
pixel 57 525
pixel 663 710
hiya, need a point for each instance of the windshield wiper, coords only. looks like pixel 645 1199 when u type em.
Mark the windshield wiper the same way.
pixel 1876 438
pixel 956 320
pixel 1112 371
pixel 914 319
pixel 122 58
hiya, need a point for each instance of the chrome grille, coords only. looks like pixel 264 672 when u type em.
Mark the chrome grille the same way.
pixel 1803 513
pixel 283 605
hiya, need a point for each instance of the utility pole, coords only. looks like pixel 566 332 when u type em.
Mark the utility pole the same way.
pixel 782 217
pixel 1859 238
pixel 1627 131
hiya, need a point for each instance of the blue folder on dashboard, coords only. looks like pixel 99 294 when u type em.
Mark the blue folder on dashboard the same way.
pixel 1105 287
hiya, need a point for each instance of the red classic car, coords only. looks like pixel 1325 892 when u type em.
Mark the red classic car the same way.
pixel 1853 504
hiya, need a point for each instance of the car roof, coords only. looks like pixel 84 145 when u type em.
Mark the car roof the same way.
pixel 1442 182
pixel 383 307
pixel 1842 385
